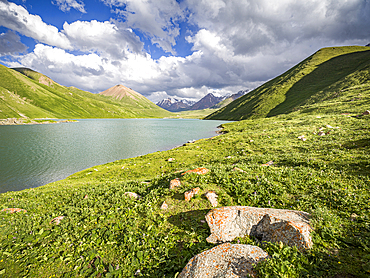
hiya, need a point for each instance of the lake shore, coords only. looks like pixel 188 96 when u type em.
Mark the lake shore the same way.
pixel 28 121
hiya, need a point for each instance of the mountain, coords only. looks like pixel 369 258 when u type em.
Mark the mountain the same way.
pixel 175 105
pixel 329 74
pixel 229 99
pixel 134 102
pixel 27 93
pixel 207 102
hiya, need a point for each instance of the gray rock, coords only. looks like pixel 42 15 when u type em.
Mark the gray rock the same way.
pixel 225 260
pixel 289 226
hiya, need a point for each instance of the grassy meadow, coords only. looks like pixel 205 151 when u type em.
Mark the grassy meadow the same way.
pixel 105 233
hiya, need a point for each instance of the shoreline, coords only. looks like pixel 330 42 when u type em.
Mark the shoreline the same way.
pixel 28 121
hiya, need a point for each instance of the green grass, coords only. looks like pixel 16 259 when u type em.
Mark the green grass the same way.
pixel 21 94
pixel 323 75
pixel 106 234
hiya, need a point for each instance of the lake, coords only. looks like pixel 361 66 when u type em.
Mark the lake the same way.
pixel 34 155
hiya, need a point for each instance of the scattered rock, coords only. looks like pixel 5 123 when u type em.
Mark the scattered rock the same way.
pixel 329 126
pixel 13 210
pixel 171 159
pixel 289 226
pixel 321 133
pixel 132 195
pixel 239 170
pixel 225 260
pixel 175 183
pixel 367 112
pixel 56 220
pixel 199 171
pixel 190 194
pixel 302 138
pixel 164 206
pixel 251 140
pixel 212 198
pixel 270 163
pixel 228 157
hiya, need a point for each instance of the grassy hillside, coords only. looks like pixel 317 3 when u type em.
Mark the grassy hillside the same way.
pixel 107 234
pixel 325 75
pixel 26 93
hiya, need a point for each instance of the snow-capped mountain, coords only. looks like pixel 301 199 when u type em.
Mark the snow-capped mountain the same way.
pixel 175 105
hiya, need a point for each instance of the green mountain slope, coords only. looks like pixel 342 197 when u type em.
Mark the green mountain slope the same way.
pixel 331 73
pixel 26 93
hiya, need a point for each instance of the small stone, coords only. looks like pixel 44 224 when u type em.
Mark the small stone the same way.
pixel 164 206
pixel 132 195
pixel 199 171
pixel 175 183
pixel 239 170
pixel 171 159
pixel 251 140
pixel 13 210
pixel 329 126
pixel 212 198
pixel 302 138
pixel 86 197
pixel 190 194
pixel 270 163
pixel 225 260
pixel 56 220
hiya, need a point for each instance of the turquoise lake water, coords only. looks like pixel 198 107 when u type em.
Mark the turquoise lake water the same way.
pixel 34 155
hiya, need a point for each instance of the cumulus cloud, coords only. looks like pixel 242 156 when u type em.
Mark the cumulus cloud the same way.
pixel 104 37
pixel 18 19
pixel 158 19
pixel 10 43
pixel 66 5
pixel 235 44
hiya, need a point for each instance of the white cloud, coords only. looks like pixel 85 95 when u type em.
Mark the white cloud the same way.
pixel 66 5
pixel 104 37
pixel 158 19
pixel 10 43
pixel 18 19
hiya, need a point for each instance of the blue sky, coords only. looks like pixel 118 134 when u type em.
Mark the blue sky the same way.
pixel 184 48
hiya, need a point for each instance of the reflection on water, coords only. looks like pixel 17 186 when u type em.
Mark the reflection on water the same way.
pixel 34 155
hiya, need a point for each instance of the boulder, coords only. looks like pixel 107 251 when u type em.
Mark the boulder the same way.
pixel 288 226
pixel 212 198
pixel 174 183
pixel 225 260
pixel 199 171
pixel 190 194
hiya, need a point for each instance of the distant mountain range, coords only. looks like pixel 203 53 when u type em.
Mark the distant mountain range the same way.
pixel 208 101
pixel 175 105
pixel 25 93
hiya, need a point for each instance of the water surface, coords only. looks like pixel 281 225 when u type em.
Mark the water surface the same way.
pixel 34 155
